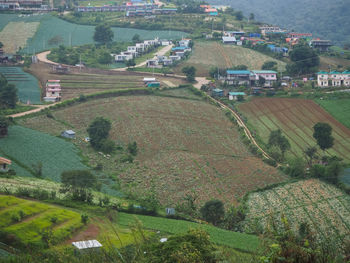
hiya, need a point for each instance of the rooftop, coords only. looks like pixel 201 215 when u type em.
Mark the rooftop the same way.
pixel 238 72
pixel 236 93
pixel 264 71
pixel 86 244
pixel 4 160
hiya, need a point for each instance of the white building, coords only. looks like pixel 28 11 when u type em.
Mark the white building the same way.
pixel 270 76
pixel 333 79
pixel 53 90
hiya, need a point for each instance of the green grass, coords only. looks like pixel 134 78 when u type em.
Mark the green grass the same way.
pixel 26 84
pixel 339 109
pixel 75 35
pixel 240 241
pixel 37 218
pixel 27 147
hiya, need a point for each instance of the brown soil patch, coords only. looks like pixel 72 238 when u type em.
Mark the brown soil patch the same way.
pixel 88 233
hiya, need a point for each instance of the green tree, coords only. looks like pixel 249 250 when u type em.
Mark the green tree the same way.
pixel 105 57
pixel 8 94
pixel 323 135
pixel 193 246
pixel 251 17
pixel 98 131
pixel 269 65
pixel 213 211
pixel 296 168
pixel 79 183
pixel 4 124
pixel 239 15
pixel 310 153
pixel 136 39
pixel 190 73
pixel 304 58
pixel 103 34
pixel 130 63
pixel 132 148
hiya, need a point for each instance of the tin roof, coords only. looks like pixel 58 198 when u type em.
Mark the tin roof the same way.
pixel 4 160
pixel 86 244
pixel 238 72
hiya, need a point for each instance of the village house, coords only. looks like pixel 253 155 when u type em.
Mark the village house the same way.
pixel 229 40
pixel 320 45
pixel 53 91
pixel 238 77
pixel 333 79
pixel 270 77
pixel 68 134
pixel 266 29
pixel 88 245
pixel 234 95
pixel 4 164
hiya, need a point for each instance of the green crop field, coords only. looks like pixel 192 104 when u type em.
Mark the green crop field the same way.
pixel 27 85
pixel 340 109
pixel 213 54
pixel 27 220
pixel 73 34
pixel 185 146
pixel 324 207
pixel 26 147
pixel 296 118
pixel 240 241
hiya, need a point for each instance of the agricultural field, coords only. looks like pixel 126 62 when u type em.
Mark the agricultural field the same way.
pixel 27 148
pixel 94 80
pixel 27 85
pixel 324 207
pixel 15 35
pixel 236 240
pixel 28 220
pixel 296 118
pixel 71 34
pixel 334 63
pixel 213 54
pixel 184 146
pixel 339 109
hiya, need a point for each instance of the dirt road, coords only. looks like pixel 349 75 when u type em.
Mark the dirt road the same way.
pixel 39 108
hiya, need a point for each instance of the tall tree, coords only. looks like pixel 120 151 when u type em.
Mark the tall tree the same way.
pixel 136 38
pixel 103 34
pixel 98 131
pixel 323 135
pixel 213 211
pixel 190 73
pixel 310 153
pixel 305 60
pixel 8 94
pixel 277 139
pixel 4 124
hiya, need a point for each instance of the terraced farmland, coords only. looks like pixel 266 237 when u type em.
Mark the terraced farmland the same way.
pixel 26 84
pixel 324 207
pixel 296 118
pixel 184 146
pixel 212 54
pixel 28 220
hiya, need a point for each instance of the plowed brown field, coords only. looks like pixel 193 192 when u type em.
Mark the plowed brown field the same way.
pixel 296 118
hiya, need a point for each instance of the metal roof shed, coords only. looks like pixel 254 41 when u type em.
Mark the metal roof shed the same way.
pixel 87 244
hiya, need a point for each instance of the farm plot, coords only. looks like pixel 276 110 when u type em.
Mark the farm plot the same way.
pixel 296 118
pixel 321 205
pixel 93 80
pixel 26 84
pixel 16 34
pixel 339 109
pixel 73 34
pixel 210 54
pixel 184 145
pixel 26 147
pixel 28 220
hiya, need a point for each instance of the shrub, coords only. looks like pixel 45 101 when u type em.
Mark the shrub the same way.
pixel 132 148
pixel 213 211
pixel 84 219
pixel 107 146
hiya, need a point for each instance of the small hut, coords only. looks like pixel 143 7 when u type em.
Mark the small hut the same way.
pixel 4 164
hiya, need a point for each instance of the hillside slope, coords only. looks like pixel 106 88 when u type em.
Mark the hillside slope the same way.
pixel 326 19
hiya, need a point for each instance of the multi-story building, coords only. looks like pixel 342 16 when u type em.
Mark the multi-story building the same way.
pixel 251 78
pixel 333 79
pixel 53 90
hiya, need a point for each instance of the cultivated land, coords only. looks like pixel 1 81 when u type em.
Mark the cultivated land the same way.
pixel 26 147
pixel 324 207
pixel 210 54
pixel 72 34
pixel 184 145
pixel 340 109
pixel 15 35
pixel 296 118
pixel 28 220
pixel 27 86
pixel 333 62
pixel 89 81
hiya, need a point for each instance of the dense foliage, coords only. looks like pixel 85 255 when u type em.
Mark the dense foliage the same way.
pixel 8 94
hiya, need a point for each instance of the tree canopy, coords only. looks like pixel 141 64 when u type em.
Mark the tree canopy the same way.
pixel 213 211
pixel 103 34
pixel 305 60
pixel 323 135
pixel 8 94
pixel 4 124
pixel 190 73
pixel 277 139
pixel 98 131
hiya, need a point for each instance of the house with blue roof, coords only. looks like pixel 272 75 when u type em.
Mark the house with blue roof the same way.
pixel 234 95
pixel 217 93
pixel 333 79
pixel 238 77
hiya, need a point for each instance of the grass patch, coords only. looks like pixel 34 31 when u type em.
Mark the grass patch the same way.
pixel 339 108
